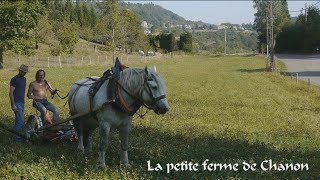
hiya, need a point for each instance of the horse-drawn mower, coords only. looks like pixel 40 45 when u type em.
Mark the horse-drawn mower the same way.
pixel 37 132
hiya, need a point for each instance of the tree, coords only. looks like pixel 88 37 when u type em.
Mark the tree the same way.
pixel 155 29
pixel 110 25
pixel 43 30
pixel 312 34
pixel 168 42
pixel 132 31
pixel 56 11
pixel 93 17
pixel 303 36
pixel 67 36
pixel 76 14
pixel 154 41
pixel 84 16
pixel 291 39
pixel 120 28
pixel 17 19
pixel 275 14
pixel 186 41
pixel 68 9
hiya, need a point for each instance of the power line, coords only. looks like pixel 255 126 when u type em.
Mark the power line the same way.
pixel 295 11
pixel 302 9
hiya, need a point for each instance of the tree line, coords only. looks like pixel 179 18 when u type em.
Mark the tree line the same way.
pixel 60 23
pixel 281 35
pixel 106 23
pixel 236 41
pixel 168 42
pixel 302 36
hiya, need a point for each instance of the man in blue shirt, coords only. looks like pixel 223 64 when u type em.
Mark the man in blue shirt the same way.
pixel 16 94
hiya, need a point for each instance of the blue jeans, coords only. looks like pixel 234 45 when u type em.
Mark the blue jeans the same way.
pixel 44 105
pixel 19 120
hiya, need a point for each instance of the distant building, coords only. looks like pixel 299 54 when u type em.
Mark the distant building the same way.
pixel 186 26
pixel 222 27
pixel 146 27
pixel 144 24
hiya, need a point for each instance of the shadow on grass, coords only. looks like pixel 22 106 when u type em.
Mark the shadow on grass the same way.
pixel 160 147
pixel 252 70
pixel 249 55
pixel 302 73
pixel 305 109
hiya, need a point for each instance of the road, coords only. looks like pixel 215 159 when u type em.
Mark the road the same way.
pixel 307 66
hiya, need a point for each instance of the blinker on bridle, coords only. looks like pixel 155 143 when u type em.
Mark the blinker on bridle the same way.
pixel 154 99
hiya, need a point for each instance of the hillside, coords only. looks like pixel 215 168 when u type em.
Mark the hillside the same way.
pixel 159 16
pixel 207 37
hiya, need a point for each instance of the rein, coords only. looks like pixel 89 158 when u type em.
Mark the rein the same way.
pixel 55 92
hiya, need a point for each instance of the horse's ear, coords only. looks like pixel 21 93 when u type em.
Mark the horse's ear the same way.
pixel 146 70
pixel 155 68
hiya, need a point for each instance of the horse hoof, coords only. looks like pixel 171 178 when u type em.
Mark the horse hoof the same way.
pixel 81 149
pixel 102 165
pixel 88 152
pixel 125 165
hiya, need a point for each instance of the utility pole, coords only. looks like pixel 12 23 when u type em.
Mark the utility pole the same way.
pixel 305 11
pixel 267 35
pixel 272 63
pixel 113 46
pixel 225 41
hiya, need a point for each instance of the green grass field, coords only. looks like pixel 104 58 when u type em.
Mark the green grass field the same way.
pixel 224 109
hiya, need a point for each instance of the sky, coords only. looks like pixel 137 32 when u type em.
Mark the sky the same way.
pixel 216 12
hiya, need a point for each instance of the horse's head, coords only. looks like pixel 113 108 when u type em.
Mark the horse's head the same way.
pixel 153 92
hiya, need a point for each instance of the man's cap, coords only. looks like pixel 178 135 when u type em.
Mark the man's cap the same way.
pixel 24 68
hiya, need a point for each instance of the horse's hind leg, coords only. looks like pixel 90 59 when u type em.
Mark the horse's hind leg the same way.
pixel 104 134
pixel 79 129
pixel 88 134
pixel 124 133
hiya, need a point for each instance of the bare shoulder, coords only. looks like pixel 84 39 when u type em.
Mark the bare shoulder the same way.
pixel 33 83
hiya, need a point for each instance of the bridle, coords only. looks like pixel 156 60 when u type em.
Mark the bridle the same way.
pixel 138 99
pixel 151 94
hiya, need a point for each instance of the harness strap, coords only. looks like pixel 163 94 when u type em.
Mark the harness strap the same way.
pixel 120 102
pixel 92 91
pixel 95 88
pixel 93 79
pixel 123 103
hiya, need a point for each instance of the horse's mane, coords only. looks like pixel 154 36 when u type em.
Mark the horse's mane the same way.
pixel 133 77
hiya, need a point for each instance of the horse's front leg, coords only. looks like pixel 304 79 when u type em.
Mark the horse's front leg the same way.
pixel 124 133
pixel 104 134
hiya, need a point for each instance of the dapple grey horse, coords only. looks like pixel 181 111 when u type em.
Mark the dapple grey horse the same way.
pixel 135 85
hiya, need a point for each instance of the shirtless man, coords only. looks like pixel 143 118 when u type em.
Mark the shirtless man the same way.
pixel 38 92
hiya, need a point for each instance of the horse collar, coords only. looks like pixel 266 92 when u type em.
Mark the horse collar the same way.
pixel 120 102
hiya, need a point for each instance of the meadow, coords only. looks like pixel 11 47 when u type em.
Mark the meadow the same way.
pixel 224 109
